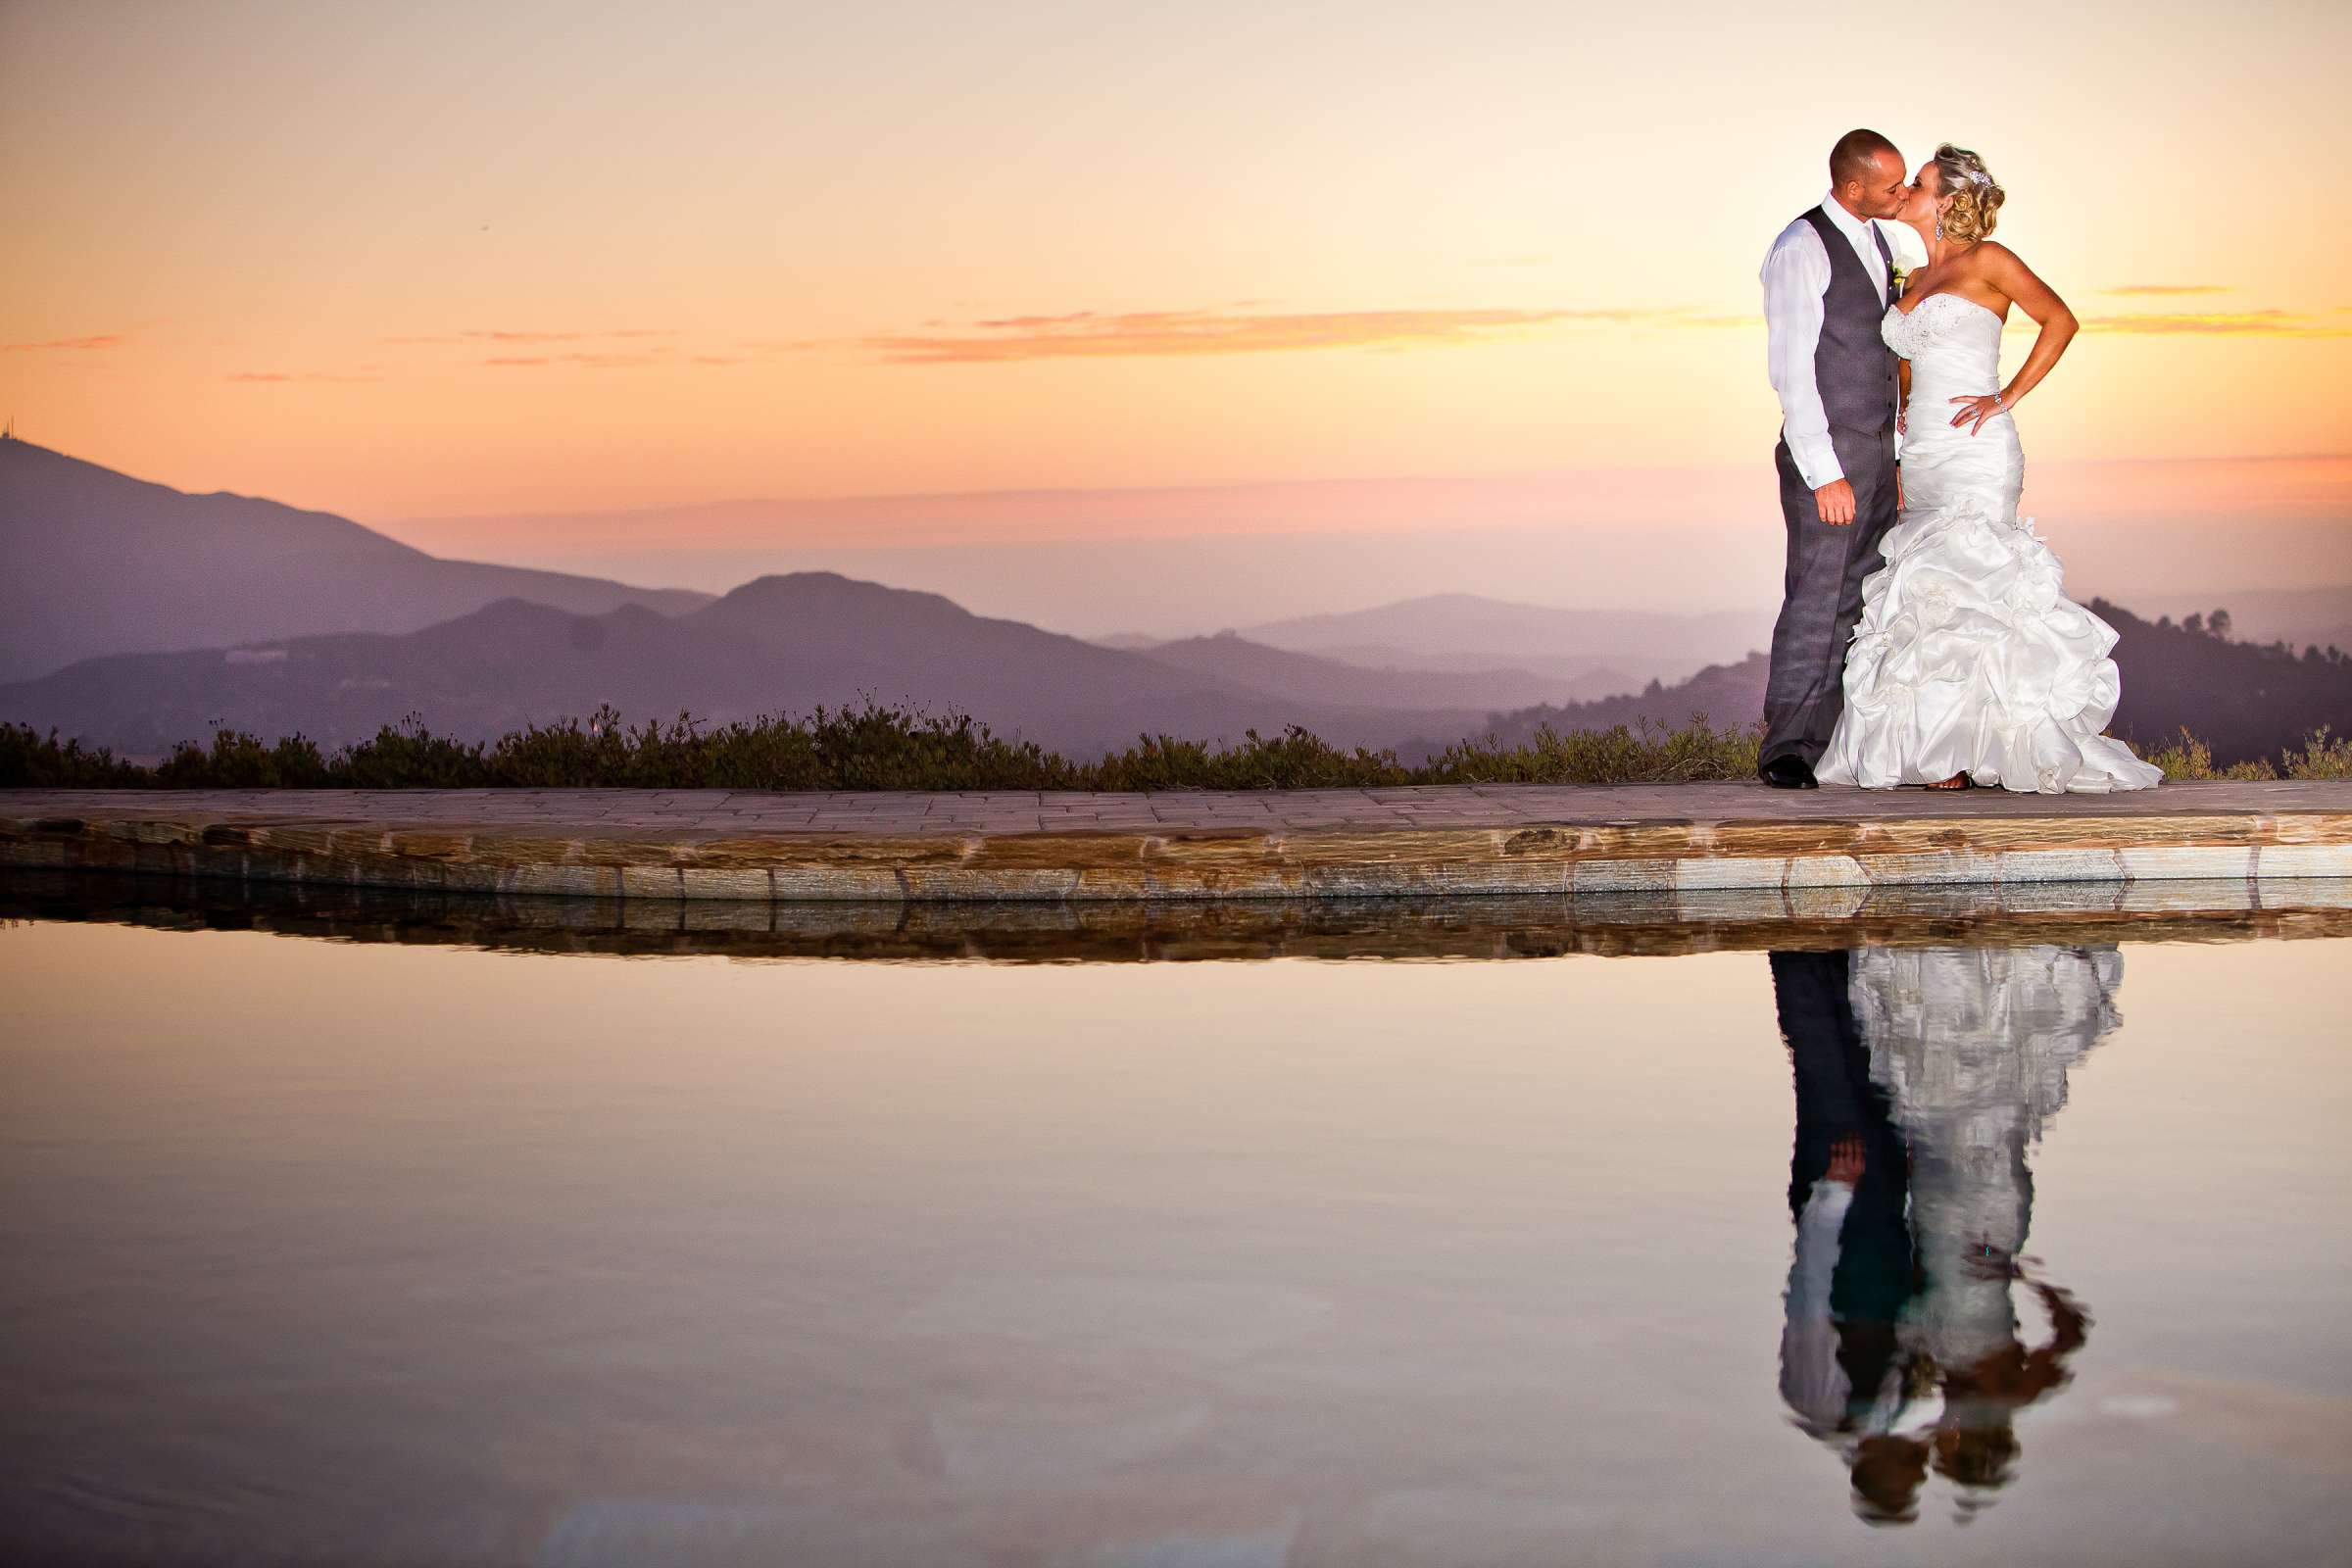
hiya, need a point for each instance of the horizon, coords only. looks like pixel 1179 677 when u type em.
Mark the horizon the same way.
pixel 1001 579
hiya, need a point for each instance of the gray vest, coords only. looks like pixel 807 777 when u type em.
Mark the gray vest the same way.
pixel 1853 365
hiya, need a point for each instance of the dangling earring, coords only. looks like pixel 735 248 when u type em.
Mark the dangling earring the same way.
pixel 1939 228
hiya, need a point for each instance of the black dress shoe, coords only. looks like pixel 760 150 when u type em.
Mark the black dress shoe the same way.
pixel 1788 773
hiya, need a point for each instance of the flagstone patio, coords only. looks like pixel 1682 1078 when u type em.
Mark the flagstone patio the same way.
pixel 901 846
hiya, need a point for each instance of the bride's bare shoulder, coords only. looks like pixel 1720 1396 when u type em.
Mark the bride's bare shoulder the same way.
pixel 1990 256
pixel 1996 268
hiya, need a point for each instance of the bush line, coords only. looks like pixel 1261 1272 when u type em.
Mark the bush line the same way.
pixel 886 748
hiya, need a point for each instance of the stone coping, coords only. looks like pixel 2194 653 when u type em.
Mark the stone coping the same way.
pixel 1032 931
pixel 670 845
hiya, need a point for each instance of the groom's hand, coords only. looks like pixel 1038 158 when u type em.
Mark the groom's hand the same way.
pixel 1836 502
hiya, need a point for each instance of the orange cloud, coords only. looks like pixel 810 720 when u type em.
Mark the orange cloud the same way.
pixel 595 359
pixel 104 340
pixel 507 336
pixel 1092 334
pixel 306 375
pixel 2223 324
pixel 612 362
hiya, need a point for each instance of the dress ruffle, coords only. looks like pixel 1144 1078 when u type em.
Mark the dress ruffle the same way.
pixel 1969 657
pixel 1973 1047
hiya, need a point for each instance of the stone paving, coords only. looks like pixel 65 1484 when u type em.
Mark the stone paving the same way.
pixel 720 814
pixel 1422 839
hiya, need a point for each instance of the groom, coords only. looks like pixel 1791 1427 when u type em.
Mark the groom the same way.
pixel 1827 281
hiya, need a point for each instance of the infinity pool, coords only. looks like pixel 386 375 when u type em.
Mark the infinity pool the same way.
pixel 1958 1245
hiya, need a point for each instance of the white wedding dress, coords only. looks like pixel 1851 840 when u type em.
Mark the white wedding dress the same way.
pixel 1967 657
pixel 1973 1047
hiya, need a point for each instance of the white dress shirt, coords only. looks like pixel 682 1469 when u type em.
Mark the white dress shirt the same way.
pixel 1796 274
pixel 1811 1379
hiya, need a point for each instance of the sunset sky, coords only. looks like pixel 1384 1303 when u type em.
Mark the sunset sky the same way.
pixel 467 273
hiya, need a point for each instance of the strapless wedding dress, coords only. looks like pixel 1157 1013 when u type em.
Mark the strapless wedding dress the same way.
pixel 1973 1047
pixel 1967 657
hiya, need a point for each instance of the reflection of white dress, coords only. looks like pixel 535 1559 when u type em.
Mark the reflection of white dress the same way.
pixel 1972 1046
pixel 1967 657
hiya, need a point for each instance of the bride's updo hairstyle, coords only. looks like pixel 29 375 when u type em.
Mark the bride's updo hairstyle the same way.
pixel 1976 199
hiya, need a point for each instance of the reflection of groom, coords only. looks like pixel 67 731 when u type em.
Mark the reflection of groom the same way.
pixel 1827 281
pixel 1842 1360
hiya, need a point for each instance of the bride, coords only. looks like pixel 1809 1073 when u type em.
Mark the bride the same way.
pixel 1969 667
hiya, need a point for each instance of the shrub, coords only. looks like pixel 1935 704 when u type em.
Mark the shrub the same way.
pixel 1648 753
pixel 879 748
pixel 241 761
pixel 2192 758
pixel 2321 758
pixel 30 760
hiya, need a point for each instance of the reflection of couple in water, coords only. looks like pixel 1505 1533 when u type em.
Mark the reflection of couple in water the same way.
pixel 1922 1074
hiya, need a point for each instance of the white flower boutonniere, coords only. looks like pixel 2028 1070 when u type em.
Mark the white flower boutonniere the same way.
pixel 1901 275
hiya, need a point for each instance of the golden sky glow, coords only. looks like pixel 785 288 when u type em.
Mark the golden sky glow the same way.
pixel 425 259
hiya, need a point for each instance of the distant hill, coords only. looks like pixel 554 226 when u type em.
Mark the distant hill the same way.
pixel 94 562
pixel 785 644
pixel 1312 678
pixel 2245 700
pixel 1470 627
pixel 2301 617
pixel 135 615
pixel 1572 677
pixel 1400 676
pixel 1726 696
pixel 777 644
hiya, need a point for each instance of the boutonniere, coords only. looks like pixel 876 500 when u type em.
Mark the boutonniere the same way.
pixel 1902 279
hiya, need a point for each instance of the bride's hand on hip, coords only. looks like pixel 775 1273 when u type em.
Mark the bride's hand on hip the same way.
pixel 1979 409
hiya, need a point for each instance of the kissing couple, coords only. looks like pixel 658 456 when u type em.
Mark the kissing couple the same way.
pixel 1923 637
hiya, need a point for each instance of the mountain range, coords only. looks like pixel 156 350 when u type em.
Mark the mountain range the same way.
pixel 137 616
pixel 96 561
pixel 775 646
pixel 1726 696
pixel 2244 700
pixel 1382 676
pixel 2301 617
pixel 1464 631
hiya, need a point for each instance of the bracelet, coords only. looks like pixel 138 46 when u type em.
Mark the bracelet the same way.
pixel 1996 401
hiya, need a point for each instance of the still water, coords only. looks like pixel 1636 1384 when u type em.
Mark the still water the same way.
pixel 394 1241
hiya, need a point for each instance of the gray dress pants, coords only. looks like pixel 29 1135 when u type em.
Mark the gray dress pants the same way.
pixel 1821 595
